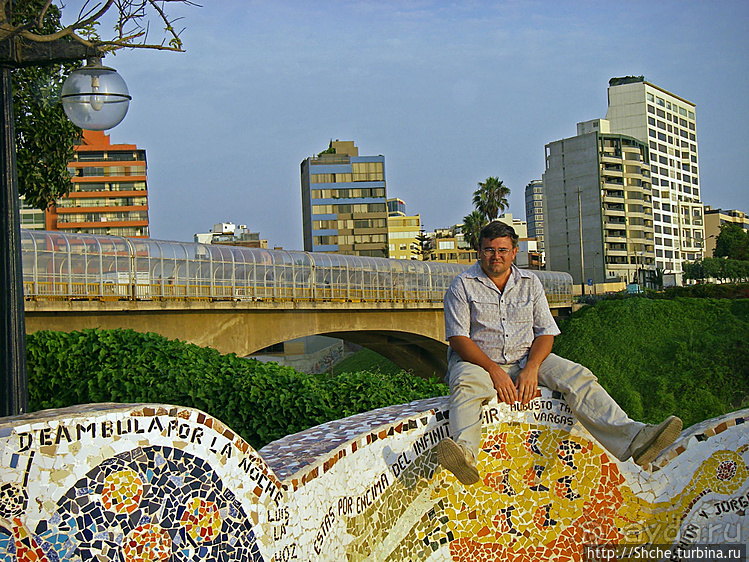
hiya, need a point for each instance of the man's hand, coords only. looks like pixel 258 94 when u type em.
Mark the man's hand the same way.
pixel 506 391
pixel 527 379
pixel 527 383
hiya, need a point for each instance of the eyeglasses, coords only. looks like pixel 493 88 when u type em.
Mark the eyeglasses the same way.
pixel 488 252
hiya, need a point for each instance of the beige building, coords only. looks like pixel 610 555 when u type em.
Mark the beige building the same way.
pixel 667 123
pixel 714 218
pixel 402 233
pixel 449 246
pixel 598 206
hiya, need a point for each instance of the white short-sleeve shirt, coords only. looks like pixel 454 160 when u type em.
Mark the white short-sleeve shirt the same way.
pixel 502 323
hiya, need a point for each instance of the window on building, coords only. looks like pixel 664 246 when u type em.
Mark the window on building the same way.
pixel 368 171
pixel 89 156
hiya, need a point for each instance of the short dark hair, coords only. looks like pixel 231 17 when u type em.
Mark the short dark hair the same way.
pixel 497 229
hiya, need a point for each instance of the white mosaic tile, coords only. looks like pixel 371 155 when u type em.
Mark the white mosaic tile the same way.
pixel 364 488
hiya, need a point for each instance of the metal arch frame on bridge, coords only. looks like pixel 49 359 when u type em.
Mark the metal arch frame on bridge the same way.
pixel 58 265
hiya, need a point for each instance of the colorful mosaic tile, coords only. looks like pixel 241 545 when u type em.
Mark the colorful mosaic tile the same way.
pixel 108 482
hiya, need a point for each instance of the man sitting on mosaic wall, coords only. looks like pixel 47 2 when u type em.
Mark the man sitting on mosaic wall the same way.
pixel 501 332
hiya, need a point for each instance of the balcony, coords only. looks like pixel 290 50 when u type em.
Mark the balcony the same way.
pixel 613 183
pixel 616 168
pixel 616 196
pixel 614 223
pixel 613 238
pixel 612 153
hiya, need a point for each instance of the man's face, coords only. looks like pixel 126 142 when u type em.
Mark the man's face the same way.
pixel 496 255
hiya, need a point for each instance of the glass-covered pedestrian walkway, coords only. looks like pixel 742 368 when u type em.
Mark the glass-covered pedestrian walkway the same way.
pixel 81 266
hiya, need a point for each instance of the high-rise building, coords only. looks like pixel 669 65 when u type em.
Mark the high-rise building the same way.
pixel 344 202
pixel 667 123
pixel 109 193
pixel 534 212
pixel 597 206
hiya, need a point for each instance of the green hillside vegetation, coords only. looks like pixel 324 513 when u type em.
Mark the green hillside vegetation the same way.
pixel 688 357
pixel 366 360
pixel 655 356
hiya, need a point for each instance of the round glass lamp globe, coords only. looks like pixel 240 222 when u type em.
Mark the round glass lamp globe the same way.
pixel 95 97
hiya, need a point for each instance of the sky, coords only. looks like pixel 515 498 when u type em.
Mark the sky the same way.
pixel 449 92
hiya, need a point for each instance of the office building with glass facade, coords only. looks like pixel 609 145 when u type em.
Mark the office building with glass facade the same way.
pixel 344 202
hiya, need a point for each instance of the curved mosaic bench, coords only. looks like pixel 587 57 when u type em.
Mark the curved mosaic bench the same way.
pixel 150 482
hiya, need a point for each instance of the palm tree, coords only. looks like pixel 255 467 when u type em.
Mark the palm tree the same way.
pixel 472 225
pixel 491 198
pixel 655 278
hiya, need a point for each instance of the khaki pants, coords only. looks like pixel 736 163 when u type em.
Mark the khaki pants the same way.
pixel 471 387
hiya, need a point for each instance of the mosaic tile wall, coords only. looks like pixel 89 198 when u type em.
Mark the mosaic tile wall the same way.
pixel 126 483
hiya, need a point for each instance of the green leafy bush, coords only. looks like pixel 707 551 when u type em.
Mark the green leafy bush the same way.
pixel 710 290
pixel 260 401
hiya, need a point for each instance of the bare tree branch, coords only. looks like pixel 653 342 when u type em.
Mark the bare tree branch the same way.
pixel 133 18
pixel 40 19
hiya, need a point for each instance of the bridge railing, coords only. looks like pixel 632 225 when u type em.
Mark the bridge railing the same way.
pixel 57 265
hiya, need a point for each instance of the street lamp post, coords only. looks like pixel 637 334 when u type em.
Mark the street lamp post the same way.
pixel 15 53
pixel 13 328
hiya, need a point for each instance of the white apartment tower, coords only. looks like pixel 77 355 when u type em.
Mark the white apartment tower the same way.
pixel 666 122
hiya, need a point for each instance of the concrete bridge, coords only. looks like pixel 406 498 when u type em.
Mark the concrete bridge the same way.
pixel 409 334
pixel 243 300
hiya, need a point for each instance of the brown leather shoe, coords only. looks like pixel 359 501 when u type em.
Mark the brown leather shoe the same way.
pixel 652 439
pixel 454 459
